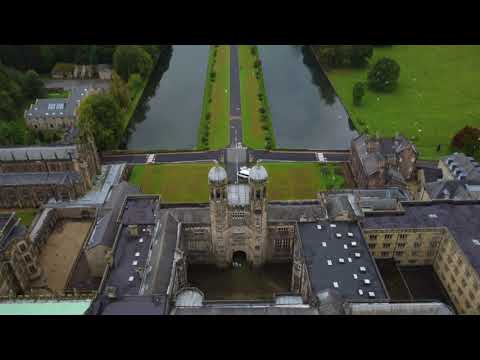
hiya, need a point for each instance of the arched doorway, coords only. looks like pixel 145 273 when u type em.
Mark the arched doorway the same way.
pixel 239 259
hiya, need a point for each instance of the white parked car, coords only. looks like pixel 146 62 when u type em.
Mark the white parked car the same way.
pixel 321 157
pixel 151 159
pixel 244 172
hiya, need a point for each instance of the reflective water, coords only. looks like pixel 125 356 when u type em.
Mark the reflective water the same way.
pixel 306 111
pixel 168 115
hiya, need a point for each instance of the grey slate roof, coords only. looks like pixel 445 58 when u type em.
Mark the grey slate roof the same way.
pixel 448 189
pixel 431 174
pixel 189 215
pixel 338 205
pixel 105 227
pixel 10 229
pixel 39 178
pixel 295 211
pixel 139 210
pixel 321 245
pixel 386 147
pixel 134 305
pixel 34 153
pixel 467 165
pixel 162 255
pixel 461 218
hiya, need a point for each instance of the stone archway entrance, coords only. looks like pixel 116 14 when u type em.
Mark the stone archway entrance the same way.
pixel 239 259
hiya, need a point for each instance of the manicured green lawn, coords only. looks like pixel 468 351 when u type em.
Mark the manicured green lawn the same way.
pixel 438 94
pixel 296 181
pixel 58 94
pixel 250 87
pixel 26 215
pixel 219 107
pixel 174 182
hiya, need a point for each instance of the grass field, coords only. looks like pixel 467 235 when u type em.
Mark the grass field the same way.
pixel 174 182
pixel 290 181
pixel 219 107
pixel 58 94
pixel 438 94
pixel 250 87
pixel 26 215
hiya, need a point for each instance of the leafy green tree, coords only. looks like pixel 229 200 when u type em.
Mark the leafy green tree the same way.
pixel 384 75
pixel 33 85
pixel 360 55
pixel 120 91
pixel 135 83
pixel 131 59
pixel 101 117
pixel 358 93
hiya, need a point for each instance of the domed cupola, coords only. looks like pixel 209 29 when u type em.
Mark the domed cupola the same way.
pixel 258 174
pixel 217 174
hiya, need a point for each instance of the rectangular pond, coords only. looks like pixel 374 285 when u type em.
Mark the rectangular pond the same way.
pixel 169 113
pixel 306 112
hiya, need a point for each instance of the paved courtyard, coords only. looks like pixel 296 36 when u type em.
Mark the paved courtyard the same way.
pixel 60 252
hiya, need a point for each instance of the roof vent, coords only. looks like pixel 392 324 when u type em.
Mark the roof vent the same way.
pixel 432 216
pixel 137 254
pixel 324 244
pixel 366 282
pixel 135 263
pixel 319 227
pixel 335 285
pixel 140 240
pixel 333 225
pixel 476 242
pixel 363 269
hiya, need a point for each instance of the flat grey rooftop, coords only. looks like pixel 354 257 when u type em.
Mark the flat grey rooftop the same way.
pixel 321 246
pixel 139 210
pixel 296 211
pixel 136 305
pixel 461 218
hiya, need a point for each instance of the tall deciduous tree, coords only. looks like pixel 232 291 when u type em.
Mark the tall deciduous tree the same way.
pixel 131 59
pixel 33 85
pixel 100 116
pixel 384 75
pixel 358 93
pixel 120 91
